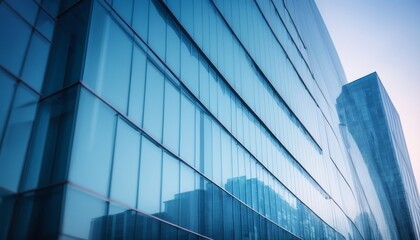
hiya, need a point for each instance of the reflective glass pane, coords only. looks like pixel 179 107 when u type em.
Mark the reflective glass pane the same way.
pixel 170 188
pixel 157 29
pixel 108 61
pixel 36 62
pixel 187 130
pixel 15 35
pixel 171 118
pixel 81 212
pixel 125 168
pixel 93 144
pixel 150 177
pixel 137 86
pixel 16 137
pixel 153 103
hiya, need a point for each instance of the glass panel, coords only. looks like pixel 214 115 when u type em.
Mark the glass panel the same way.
pixel 124 9
pixel 188 200
pixel 189 65
pixel 108 61
pixel 81 212
pixel 157 28
pixel 187 130
pixel 173 47
pixel 93 144
pixel 171 118
pixel 45 24
pixel 153 103
pixel 16 137
pixel 6 97
pixel 150 177
pixel 14 39
pixel 125 168
pixel 137 86
pixel 36 61
pixel 170 189
pixel 141 17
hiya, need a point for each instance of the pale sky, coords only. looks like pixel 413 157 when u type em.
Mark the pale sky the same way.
pixel 382 36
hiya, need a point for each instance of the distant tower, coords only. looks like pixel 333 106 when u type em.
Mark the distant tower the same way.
pixel 365 107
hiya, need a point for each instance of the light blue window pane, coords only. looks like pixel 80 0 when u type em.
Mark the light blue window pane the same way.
pixel 93 144
pixel 16 137
pixel 198 139
pixel 187 15
pixel 187 130
pixel 153 105
pixel 108 61
pixel 157 28
pixel 173 47
pixel 81 210
pixel 124 8
pixel 141 17
pixel 6 97
pixel 213 92
pixel 150 177
pixel 226 157
pixel 14 39
pixel 137 86
pixel 188 199
pixel 170 188
pixel 204 82
pixel 189 65
pixel 175 7
pixel 171 118
pixel 125 167
pixel 36 62
pixel 217 161
pixel 207 147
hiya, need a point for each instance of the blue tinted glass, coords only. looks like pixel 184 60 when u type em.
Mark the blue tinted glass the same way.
pixel 189 65
pixel 153 104
pixel 188 198
pixel 45 24
pixel 6 95
pixel 36 62
pixel 108 61
pixel 157 29
pixel 14 39
pixel 93 144
pixel 217 161
pixel 187 130
pixel 173 47
pixel 141 17
pixel 207 145
pixel 26 9
pixel 125 168
pixel 226 157
pixel 170 188
pixel 137 85
pixel 171 118
pixel 16 137
pixel 80 212
pixel 150 177
pixel 124 8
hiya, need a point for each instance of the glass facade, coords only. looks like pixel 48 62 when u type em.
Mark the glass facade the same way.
pixel 171 119
pixel 372 120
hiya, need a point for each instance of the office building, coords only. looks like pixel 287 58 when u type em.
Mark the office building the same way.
pixel 173 119
pixel 371 118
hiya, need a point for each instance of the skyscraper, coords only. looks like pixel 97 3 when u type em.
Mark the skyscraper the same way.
pixel 177 119
pixel 373 121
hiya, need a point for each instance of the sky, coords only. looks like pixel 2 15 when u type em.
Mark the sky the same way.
pixel 382 36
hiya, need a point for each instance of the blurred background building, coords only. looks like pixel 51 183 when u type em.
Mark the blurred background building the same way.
pixel 187 119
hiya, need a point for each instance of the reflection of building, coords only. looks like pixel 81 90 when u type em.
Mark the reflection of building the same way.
pixel 201 117
pixel 373 121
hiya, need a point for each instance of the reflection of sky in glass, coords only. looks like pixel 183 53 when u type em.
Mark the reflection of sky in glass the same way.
pixel 382 36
